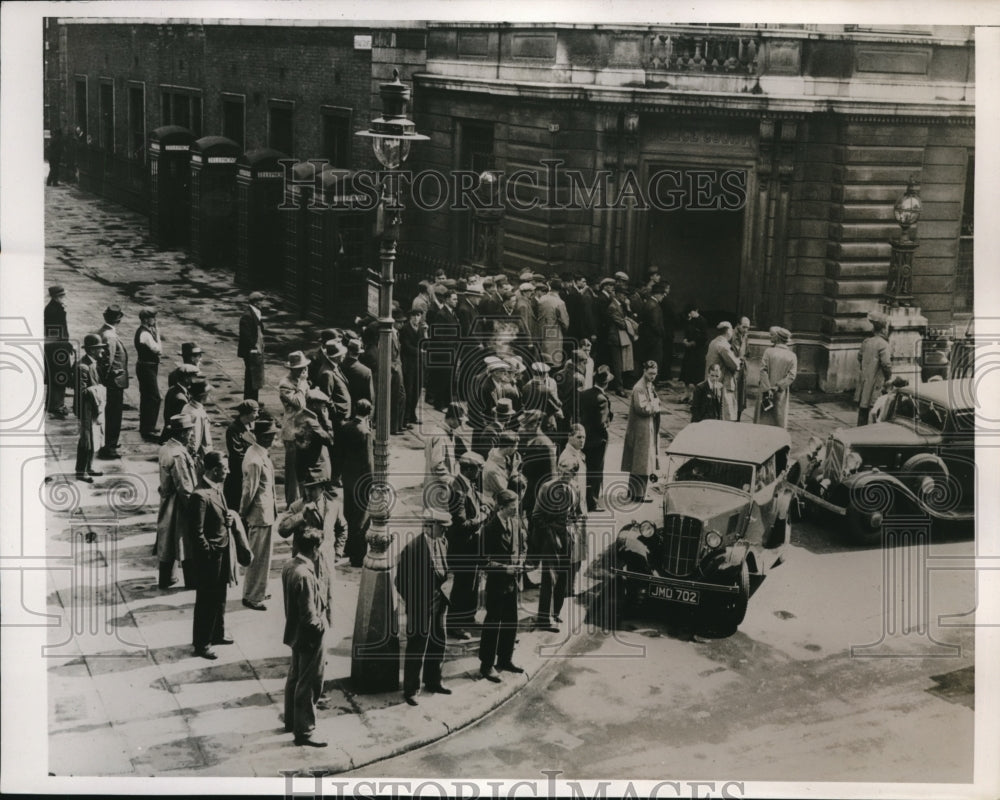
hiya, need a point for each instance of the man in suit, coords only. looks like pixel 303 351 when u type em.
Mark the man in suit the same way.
pixel 251 347
pixel 444 336
pixel 331 381
pixel 147 365
pixel 178 480
pixel 504 547
pixel 258 509
pixel 740 344
pixel 178 396
pixel 421 573
pixel 212 528
pixel 115 379
pixel 359 377
pixel 292 390
pixel 306 615
pixel 595 416
pixel 720 352
pixel 649 345
pixel 239 436
pixel 707 401
pixel 538 453
pixel 440 458
pixel 615 334
pixel 190 353
pixel 319 355
pixel 464 544
pixel 411 334
pixel 88 404
pixel 58 353
pixel 357 471
pixel 465 311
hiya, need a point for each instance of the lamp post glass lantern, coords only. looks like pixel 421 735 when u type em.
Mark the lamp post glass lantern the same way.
pixel 375 653
pixel 907 212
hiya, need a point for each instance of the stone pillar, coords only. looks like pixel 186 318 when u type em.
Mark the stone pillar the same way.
pixel 907 328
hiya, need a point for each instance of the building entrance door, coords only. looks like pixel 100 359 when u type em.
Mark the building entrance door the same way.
pixel 700 253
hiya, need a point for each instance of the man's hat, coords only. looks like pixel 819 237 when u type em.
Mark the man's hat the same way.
pixel 180 422
pixel 264 426
pixel 540 367
pixel 526 275
pixel 621 276
pixel 516 363
pixel 317 395
pixel 93 340
pixel 436 515
pixel 247 406
pixel 606 282
pixel 147 313
pixel 504 407
pixel 526 287
pixel 507 439
pixel 783 334
pixel 354 347
pixel 113 313
pixel 326 334
pixel 189 349
pixel 188 369
pixel 505 497
pixel 899 382
pixel 57 291
pixel 414 312
pixel 200 386
pixel 493 364
pixel 211 460
pixel 255 297
pixel 456 410
pixel 488 283
pixel 470 457
pixel 603 375
pixel 531 418
pixel 321 481
pixel 461 286
pixel 724 326
pixel 297 360
pixel 334 348
pixel 441 290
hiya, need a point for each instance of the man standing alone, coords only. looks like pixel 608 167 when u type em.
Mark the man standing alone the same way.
pixel 258 509
pixel 876 368
pixel 116 381
pixel 147 365
pixel 251 347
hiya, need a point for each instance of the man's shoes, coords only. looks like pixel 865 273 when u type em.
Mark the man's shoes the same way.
pixel 223 640
pixel 308 741
pixel 267 596
pixel 151 437
pixel 167 586
pixel 458 633
pixel 491 675
pixel 254 606
pixel 206 652
pixel 108 454
pixel 85 478
pixel 510 667
pixel 410 700
pixel 439 689
pixel 545 625
pixel 60 413
pixel 557 619
pixel 94 473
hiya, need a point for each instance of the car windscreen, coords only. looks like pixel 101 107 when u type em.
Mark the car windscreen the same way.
pixel 710 470
pixel 910 411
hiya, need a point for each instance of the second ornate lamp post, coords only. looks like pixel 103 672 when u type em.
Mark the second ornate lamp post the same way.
pixel 375 654
pixel 907 212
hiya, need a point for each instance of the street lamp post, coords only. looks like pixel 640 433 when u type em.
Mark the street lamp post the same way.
pixel 375 654
pixel 907 212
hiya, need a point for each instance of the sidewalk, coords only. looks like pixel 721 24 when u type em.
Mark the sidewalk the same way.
pixel 126 695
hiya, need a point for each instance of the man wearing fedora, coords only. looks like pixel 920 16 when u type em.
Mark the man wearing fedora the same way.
pixel 259 510
pixel 89 398
pixel 720 351
pixel 178 480
pixel 359 377
pixel 778 367
pixel 503 417
pixel 115 379
pixel 331 381
pixel 190 353
pixel 251 347
pixel 218 542
pixel 178 396
pixel 147 364
pixel 292 390
pixel 59 353
pixel 239 436
pixel 421 574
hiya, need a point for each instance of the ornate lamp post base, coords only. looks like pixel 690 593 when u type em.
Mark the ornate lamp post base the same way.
pixel 375 656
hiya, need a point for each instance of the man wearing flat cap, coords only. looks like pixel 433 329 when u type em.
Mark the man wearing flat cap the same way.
pixel 147 364
pixel 178 480
pixel 319 355
pixel 421 575
pixel 59 353
pixel 467 517
pixel 292 390
pixel 115 380
pixel 251 347
pixel 178 395
pixel 259 510
pixel 89 398
pixel 720 351
pixel 239 436
pixel 777 374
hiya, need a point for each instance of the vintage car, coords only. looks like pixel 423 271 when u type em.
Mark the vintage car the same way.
pixel 724 521
pixel 916 463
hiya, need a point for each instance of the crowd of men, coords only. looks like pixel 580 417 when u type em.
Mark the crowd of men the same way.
pixel 523 377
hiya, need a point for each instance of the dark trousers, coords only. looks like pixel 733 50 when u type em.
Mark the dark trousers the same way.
pixel 552 592
pixel 303 688
pixel 53 178
pixel 594 457
pixel 411 386
pixel 637 486
pixel 863 415
pixel 149 395
pixel 356 517
pixel 667 357
pixel 113 417
pixel 253 376
pixel 499 629
pixel 464 595
pixel 425 642
pixel 210 598
pixel 85 450
pixel 398 401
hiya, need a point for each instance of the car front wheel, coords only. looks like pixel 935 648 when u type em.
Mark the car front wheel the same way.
pixel 735 607
pixel 865 526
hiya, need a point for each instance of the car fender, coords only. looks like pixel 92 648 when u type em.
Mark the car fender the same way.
pixel 736 555
pixel 783 502
pixel 874 490
pixel 631 554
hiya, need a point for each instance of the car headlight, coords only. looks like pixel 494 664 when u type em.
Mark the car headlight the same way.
pixel 852 463
pixel 647 529
pixel 713 539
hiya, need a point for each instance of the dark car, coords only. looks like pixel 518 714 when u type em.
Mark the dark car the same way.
pixel 916 462
pixel 724 521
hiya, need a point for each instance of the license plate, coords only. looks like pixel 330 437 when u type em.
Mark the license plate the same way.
pixel 676 594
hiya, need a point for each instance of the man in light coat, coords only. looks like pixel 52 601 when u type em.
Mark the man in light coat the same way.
pixel 178 480
pixel 292 390
pixel 720 351
pixel 441 460
pixel 115 379
pixel 876 367
pixel 553 321
pixel 778 368
pixel 89 398
pixel 258 509
pixel 639 455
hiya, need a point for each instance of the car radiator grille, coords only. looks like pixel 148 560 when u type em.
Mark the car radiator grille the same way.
pixel 833 465
pixel 681 538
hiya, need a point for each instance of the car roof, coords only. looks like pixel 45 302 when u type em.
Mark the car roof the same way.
pixel 730 441
pixel 956 394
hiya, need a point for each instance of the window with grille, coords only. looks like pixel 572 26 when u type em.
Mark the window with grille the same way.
pixel 137 123
pixel 475 153
pixel 964 270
